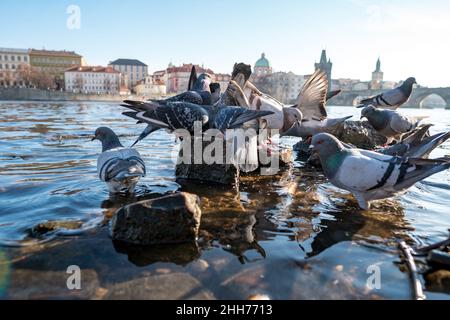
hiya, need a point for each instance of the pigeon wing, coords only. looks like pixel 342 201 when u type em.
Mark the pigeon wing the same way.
pixel 401 124
pixel 312 98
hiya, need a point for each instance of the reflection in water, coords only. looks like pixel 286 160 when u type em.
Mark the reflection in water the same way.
pixel 141 256
pixel 294 221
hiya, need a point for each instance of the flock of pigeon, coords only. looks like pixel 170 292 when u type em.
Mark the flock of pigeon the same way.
pixel 368 175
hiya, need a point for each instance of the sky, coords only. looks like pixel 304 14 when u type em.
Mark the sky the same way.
pixel 411 37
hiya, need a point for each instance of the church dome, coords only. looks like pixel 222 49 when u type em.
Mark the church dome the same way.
pixel 262 62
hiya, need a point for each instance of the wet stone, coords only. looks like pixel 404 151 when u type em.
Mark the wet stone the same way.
pixel 39 285
pixel 174 286
pixel 165 220
pixel 52 226
pixel 215 173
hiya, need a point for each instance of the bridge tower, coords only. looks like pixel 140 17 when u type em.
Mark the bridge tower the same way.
pixel 325 66
pixel 377 77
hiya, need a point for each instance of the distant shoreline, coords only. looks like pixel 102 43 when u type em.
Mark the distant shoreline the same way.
pixel 31 94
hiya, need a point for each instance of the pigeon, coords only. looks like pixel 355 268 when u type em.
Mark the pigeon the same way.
pixel 370 175
pixel 311 102
pixel 418 145
pixel 391 99
pixel 389 123
pixel 200 84
pixel 215 93
pixel 183 115
pixel 120 167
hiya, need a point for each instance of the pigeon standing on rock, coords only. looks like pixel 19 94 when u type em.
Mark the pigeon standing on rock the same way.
pixel 120 167
pixel 371 175
pixel 417 145
pixel 389 123
pixel 183 115
pixel 391 99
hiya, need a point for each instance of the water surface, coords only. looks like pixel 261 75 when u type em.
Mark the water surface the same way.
pixel 289 236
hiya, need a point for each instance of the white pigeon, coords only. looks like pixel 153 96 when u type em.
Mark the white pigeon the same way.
pixel 370 175
pixel 120 167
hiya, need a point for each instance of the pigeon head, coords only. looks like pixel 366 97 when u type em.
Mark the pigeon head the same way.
pixel 329 149
pixel 108 138
pixel 407 86
pixel 368 111
pixel 292 117
pixel 411 81
pixel 325 143
pixel 202 83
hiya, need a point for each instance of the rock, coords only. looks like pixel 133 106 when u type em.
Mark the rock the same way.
pixel 174 286
pixel 226 174
pixel 52 226
pixel 30 284
pixel 438 281
pixel 165 220
pixel 358 133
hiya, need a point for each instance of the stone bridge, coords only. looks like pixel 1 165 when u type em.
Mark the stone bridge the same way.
pixel 352 98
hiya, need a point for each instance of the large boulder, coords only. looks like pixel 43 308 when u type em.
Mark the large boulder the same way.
pixel 165 220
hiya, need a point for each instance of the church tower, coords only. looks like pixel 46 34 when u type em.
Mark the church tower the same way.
pixel 377 77
pixel 325 66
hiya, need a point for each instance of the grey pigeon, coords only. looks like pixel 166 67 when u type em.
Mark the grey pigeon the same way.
pixel 418 145
pixel 215 93
pixel 311 102
pixel 183 115
pixel 370 175
pixel 200 84
pixel 389 123
pixel 391 99
pixel 120 167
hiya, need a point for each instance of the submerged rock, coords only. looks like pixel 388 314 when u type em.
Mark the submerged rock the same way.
pixel 174 286
pixel 31 284
pixel 165 220
pixel 52 226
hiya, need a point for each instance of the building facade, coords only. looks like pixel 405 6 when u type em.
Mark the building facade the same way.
pixel 132 71
pixel 325 65
pixel 150 87
pixel 178 77
pixel 92 80
pixel 54 63
pixel 262 67
pixel 283 86
pixel 13 65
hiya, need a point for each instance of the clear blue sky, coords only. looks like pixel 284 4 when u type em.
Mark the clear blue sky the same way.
pixel 412 37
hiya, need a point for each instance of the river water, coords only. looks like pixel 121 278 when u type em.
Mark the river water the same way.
pixel 289 236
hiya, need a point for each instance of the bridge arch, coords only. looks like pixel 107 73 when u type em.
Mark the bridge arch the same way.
pixel 432 100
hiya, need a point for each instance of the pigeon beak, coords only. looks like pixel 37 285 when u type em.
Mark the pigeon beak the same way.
pixel 94 138
pixel 362 117
pixel 311 147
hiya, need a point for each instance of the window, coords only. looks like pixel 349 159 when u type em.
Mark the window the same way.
pixel 1 66
pixel 6 66
pixel 25 59
pixel 19 59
